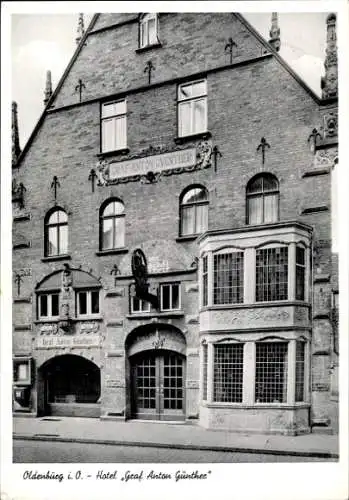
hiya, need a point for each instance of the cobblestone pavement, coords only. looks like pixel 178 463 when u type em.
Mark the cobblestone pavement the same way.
pixel 57 452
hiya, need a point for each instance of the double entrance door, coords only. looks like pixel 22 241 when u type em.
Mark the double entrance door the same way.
pixel 158 385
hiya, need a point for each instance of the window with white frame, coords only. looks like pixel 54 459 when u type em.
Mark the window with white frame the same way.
pixel 192 108
pixel 87 302
pixel 148 30
pixel 262 199
pixel 228 278
pixel 56 233
pixel 139 305
pixel 113 126
pixel 272 274
pixel 112 225
pixel 300 371
pixel 193 211
pixel 228 373
pixel 170 296
pixel 48 305
pixel 271 372
pixel 300 273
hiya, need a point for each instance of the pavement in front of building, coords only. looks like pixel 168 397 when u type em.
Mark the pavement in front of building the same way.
pixel 175 435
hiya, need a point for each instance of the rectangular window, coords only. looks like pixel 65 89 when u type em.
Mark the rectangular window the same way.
pixel 148 30
pixel 204 376
pixel 204 281
pixel 170 296
pixel 49 305
pixel 192 108
pixel 228 278
pixel 139 306
pixel 228 373
pixel 88 303
pixel 271 274
pixel 113 126
pixel 300 368
pixel 300 273
pixel 271 372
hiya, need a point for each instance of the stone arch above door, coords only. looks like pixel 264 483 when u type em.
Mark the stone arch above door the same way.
pixel 153 337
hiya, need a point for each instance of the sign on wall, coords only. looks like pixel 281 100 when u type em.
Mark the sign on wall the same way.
pixel 62 341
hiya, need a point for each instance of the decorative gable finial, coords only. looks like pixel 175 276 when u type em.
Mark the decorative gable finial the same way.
pixel 274 32
pixel 81 29
pixel 16 149
pixel 329 82
pixel 48 87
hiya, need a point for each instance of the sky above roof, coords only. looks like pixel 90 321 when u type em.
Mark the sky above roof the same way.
pixel 42 42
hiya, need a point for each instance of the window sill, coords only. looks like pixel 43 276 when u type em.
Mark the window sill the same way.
pixel 189 237
pixel 162 314
pixel 91 317
pixel 57 319
pixel 21 245
pixel 267 406
pixel 255 305
pixel 55 258
pixel 156 45
pixel 193 137
pixel 113 251
pixel 115 152
pixel 19 300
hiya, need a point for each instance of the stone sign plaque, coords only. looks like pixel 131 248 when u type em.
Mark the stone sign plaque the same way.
pixel 62 341
pixel 156 163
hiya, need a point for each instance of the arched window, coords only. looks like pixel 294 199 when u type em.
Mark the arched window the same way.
pixel 194 211
pixel 56 233
pixel 112 225
pixel 148 30
pixel 262 199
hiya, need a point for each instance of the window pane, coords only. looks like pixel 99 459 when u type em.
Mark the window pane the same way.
pixel 300 273
pixel 194 195
pixel 188 220
pixel 54 218
pixel 228 278
pixel 55 304
pixel 300 358
pixel 120 131
pixel 52 241
pixel 199 117
pixel 256 186
pixel 82 302
pixel 43 305
pixel 199 88
pixel 113 108
pixel 119 232
pixel 95 302
pixel 175 296
pixel 62 216
pixel 271 208
pixel 144 34
pixel 271 372
pixel 228 373
pixel 165 294
pixel 201 218
pixel 135 304
pixel 184 119
pixel 185 91
pixel 300 255
pixel 152 31
pixel 255 210
pixel 63 240
pixel 272 274
pixel 22 371
pixel 269 183
pixel 107 234
pixel 108 134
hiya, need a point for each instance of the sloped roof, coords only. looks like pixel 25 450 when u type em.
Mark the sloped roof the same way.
pixel 248 26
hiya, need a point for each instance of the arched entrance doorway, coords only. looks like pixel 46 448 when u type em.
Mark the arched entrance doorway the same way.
pixel 72 386
pixel 157 363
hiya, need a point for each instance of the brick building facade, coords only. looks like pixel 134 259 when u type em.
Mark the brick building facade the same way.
pixel 184 144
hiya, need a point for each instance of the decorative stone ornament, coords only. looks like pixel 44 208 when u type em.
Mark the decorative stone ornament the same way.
pixel 331 125
pixel 18 191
